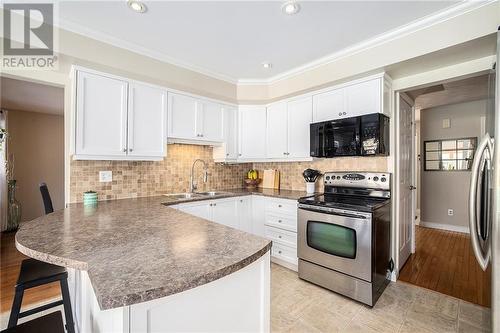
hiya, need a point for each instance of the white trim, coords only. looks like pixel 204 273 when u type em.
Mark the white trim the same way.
pixel 419 24
pixel 444 226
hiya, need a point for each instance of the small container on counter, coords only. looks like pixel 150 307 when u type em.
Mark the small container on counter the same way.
pixel 90 198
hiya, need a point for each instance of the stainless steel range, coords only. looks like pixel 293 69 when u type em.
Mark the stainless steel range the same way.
pixel 344 235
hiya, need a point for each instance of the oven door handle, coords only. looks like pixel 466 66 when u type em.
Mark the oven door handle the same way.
pixel 332 212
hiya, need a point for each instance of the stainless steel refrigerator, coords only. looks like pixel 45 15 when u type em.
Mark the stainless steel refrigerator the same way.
pixel 484 195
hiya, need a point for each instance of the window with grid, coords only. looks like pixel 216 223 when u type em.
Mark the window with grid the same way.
pixel 449 154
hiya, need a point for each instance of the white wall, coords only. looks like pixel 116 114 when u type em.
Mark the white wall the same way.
pixel 441 190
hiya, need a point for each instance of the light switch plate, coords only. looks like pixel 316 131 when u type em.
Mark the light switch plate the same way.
pixel 446 123
pixel 105 176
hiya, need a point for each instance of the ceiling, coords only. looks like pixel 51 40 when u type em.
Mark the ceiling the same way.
pixel 231 39
pixel 29 96
pixel 460 91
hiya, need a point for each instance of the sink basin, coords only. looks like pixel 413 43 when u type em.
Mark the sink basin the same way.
pixel 182 196
pixel 211 193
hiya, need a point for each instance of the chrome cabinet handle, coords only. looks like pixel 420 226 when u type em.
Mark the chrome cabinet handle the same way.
pixel 279 252
pixel 130 150
pixel 411 187
pixel 279 221
pixel 124 150
pixel 279 236
pixel 486 145
pixel 279 206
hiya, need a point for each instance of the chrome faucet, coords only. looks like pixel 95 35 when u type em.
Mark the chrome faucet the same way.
pixel 192 184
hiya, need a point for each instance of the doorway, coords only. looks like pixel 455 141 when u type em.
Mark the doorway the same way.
pixel 32 117
pixel 449 122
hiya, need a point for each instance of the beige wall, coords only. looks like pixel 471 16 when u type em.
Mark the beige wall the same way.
pixel 37 142
pixel 140 179
pixel 441 190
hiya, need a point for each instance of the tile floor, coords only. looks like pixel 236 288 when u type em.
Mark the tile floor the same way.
pixel 298 306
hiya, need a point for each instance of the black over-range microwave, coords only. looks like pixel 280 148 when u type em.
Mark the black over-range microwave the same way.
pixel 356 136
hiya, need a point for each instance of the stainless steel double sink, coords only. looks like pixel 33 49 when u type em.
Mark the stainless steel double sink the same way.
pixel 183 196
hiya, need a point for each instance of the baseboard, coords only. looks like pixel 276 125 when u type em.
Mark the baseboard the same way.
pixel 443 226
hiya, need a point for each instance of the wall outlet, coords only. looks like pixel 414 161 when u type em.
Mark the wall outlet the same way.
pixel 450 212
pixel 446 123
pixel 105 176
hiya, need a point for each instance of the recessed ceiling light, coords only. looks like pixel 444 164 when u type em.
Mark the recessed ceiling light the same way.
pixel 137 6
pixel 290 7
pixel 267 65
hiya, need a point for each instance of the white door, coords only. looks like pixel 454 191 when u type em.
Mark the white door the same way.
pixel 182 116
pixel 329 105
pixel 101 115
pixel 299 119
pixel 276 131
pixel 252 132
pixel 244 208
pixel 364 98
pixel 203 210
pixel 405 175
pixel 225 212
pixel 146 120
pixel 211 122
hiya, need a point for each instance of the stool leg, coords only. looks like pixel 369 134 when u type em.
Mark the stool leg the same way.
pixel 16 307
pixel 68 314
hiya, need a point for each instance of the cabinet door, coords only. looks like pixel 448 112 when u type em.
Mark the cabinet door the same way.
pixel 101 115
pixel 231 132
pixel 210 122
pixel 225 212
pixel 299 119
pixel 258 215
pixel 146 120
pixel 252 132
pixel 244 208
pixel 329 105
pixel 364 98
pixel 182 116
pixel 276 131
pixel 203 210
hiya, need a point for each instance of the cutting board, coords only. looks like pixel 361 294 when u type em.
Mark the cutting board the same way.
pixel 271 179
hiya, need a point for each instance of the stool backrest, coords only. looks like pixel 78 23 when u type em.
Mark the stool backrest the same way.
pixel 47 202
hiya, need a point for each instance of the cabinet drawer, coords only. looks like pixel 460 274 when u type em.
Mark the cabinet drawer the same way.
pixel 286 253
pixel 281 236
pixel 283 222
pixel 287 207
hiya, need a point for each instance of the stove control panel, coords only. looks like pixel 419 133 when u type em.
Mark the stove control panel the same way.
pixel 368 180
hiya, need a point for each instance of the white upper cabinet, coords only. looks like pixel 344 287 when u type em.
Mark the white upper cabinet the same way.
pixel 277 132
pixel 228 150
pixel 210 121
pixel 329 105
pixel 146 120
pixel 252 132
pixel 364 98
pixel 101 116
pixel 353 99
pixel 182 116
pixel 299 119
pixel 118 119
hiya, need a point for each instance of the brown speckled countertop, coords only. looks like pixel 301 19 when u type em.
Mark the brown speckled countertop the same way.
pixel 137 250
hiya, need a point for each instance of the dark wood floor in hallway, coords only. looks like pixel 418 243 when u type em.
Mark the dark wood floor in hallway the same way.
pixel 444 262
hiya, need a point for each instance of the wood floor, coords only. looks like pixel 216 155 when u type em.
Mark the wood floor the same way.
pixel 444 262
pixel 10 263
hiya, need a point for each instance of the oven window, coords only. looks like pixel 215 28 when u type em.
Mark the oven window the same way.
pixel 332 239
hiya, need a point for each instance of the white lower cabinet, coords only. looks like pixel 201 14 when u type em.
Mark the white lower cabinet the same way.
pixel 271 218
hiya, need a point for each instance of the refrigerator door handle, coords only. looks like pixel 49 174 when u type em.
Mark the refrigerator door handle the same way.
pixel 485 146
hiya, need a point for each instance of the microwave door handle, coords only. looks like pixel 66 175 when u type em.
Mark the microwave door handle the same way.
pixel 481 257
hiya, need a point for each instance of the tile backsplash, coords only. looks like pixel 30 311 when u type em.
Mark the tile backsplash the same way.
pixel 139 179
pixel 291 172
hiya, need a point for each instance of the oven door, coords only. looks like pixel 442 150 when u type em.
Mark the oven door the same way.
pixel 341 241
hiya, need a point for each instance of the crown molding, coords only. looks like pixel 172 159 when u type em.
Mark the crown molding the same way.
pixel 425 22
pixel 129 46
pixel 402 31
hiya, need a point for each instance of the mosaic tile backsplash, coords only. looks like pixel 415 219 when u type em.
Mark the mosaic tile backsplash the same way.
pixel 140 179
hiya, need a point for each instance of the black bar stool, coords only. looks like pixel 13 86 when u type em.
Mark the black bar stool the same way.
pixel 51 322
pixel 35 273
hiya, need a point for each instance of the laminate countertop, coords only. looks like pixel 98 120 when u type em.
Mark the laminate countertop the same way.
pixel 137 250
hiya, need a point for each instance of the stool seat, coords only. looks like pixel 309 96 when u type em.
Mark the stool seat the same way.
pixel 34 270
pixel 51 322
